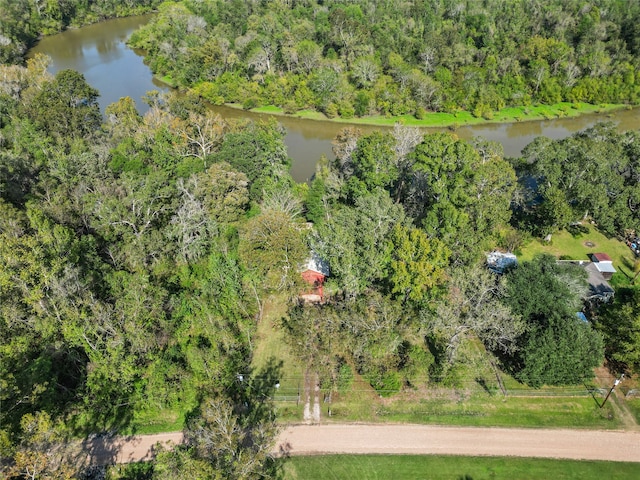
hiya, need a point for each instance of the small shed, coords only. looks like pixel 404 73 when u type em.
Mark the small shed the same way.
pixel 603 264
pixel 315 273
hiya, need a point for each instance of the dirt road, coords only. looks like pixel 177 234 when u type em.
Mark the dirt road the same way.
pixel 424 439
pixel 411 439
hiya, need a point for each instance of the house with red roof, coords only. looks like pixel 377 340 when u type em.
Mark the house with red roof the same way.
pixel 314 274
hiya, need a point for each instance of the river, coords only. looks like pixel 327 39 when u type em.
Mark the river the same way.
pixel 100 53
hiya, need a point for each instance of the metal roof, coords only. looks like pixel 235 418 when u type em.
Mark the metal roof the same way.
pixel 601 257
pixel 317 264
pixel 605 267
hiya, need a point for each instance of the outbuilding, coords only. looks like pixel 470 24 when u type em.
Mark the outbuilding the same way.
pixel 315 273
pixel 603 263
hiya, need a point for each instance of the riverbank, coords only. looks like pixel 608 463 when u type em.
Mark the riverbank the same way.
pixel 456 120
pixel 453 121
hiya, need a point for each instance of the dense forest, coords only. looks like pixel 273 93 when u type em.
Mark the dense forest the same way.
pixel 367 57
pixel 138 252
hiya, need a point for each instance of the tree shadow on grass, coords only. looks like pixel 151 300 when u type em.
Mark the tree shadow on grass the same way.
pixel 483 383
pixel 577 230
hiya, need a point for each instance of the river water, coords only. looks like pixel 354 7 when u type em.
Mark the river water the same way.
pixel 100 53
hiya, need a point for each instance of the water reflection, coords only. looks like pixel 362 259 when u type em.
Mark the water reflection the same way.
pixel 100 53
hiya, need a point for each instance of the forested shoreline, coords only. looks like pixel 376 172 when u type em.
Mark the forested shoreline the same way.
pixel 138 254
pixel 368 57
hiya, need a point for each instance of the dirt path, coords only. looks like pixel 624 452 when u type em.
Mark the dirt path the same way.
pixel 411 439
pixel 427 439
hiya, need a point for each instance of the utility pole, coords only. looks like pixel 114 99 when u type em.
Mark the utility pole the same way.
pixel 615 384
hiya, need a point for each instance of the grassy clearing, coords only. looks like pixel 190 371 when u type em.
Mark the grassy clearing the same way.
pixel 168 80
pixel 435 467
pixel 578 243
pixel 484 410
pixel 454 120
pixel 158 421
pixel 270 344
pixel 126 422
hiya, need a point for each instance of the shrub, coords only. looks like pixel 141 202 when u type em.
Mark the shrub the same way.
pixel 420 113
pixel 385 383
pixel 249 103
pixel 345 378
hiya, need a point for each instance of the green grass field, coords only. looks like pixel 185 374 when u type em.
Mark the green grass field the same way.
pixel 454 120
pixel 270 344
pixel 412 467
pixel 634 406
pixel 578 244
pixel 451 407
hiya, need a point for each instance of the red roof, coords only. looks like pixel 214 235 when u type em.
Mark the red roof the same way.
pixel 316 280
pixel 601 257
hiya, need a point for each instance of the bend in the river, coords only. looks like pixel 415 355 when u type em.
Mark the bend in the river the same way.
pixel 100 53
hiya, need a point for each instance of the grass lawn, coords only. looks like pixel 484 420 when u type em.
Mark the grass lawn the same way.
pixel 578 244
pixel 454 120
pixel 473 405
pixel 474 400
pixel 634 406
pixel 477 402
pixel 270 344
pixel 158 421
pixel 410 467
pixel 168 80
pixel 125 422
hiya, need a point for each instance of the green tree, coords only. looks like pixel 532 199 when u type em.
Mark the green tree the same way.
pixel 473 308
pixel 224 192
pixel 557 348
pixel 39 454
pixel 236 434
pixel 315 333
pixel 259 152
pixel 382 338
pixel 417 265
pixel 67 107
pixel 581 176
pixel 373 163
pixel 354 240
pixel 459 193
pixel 272 245
pixel 619 322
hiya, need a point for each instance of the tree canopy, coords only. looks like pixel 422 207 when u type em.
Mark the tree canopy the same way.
pixel 557 347
pixel 393 58
pixel 592 174
pixel 137 252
